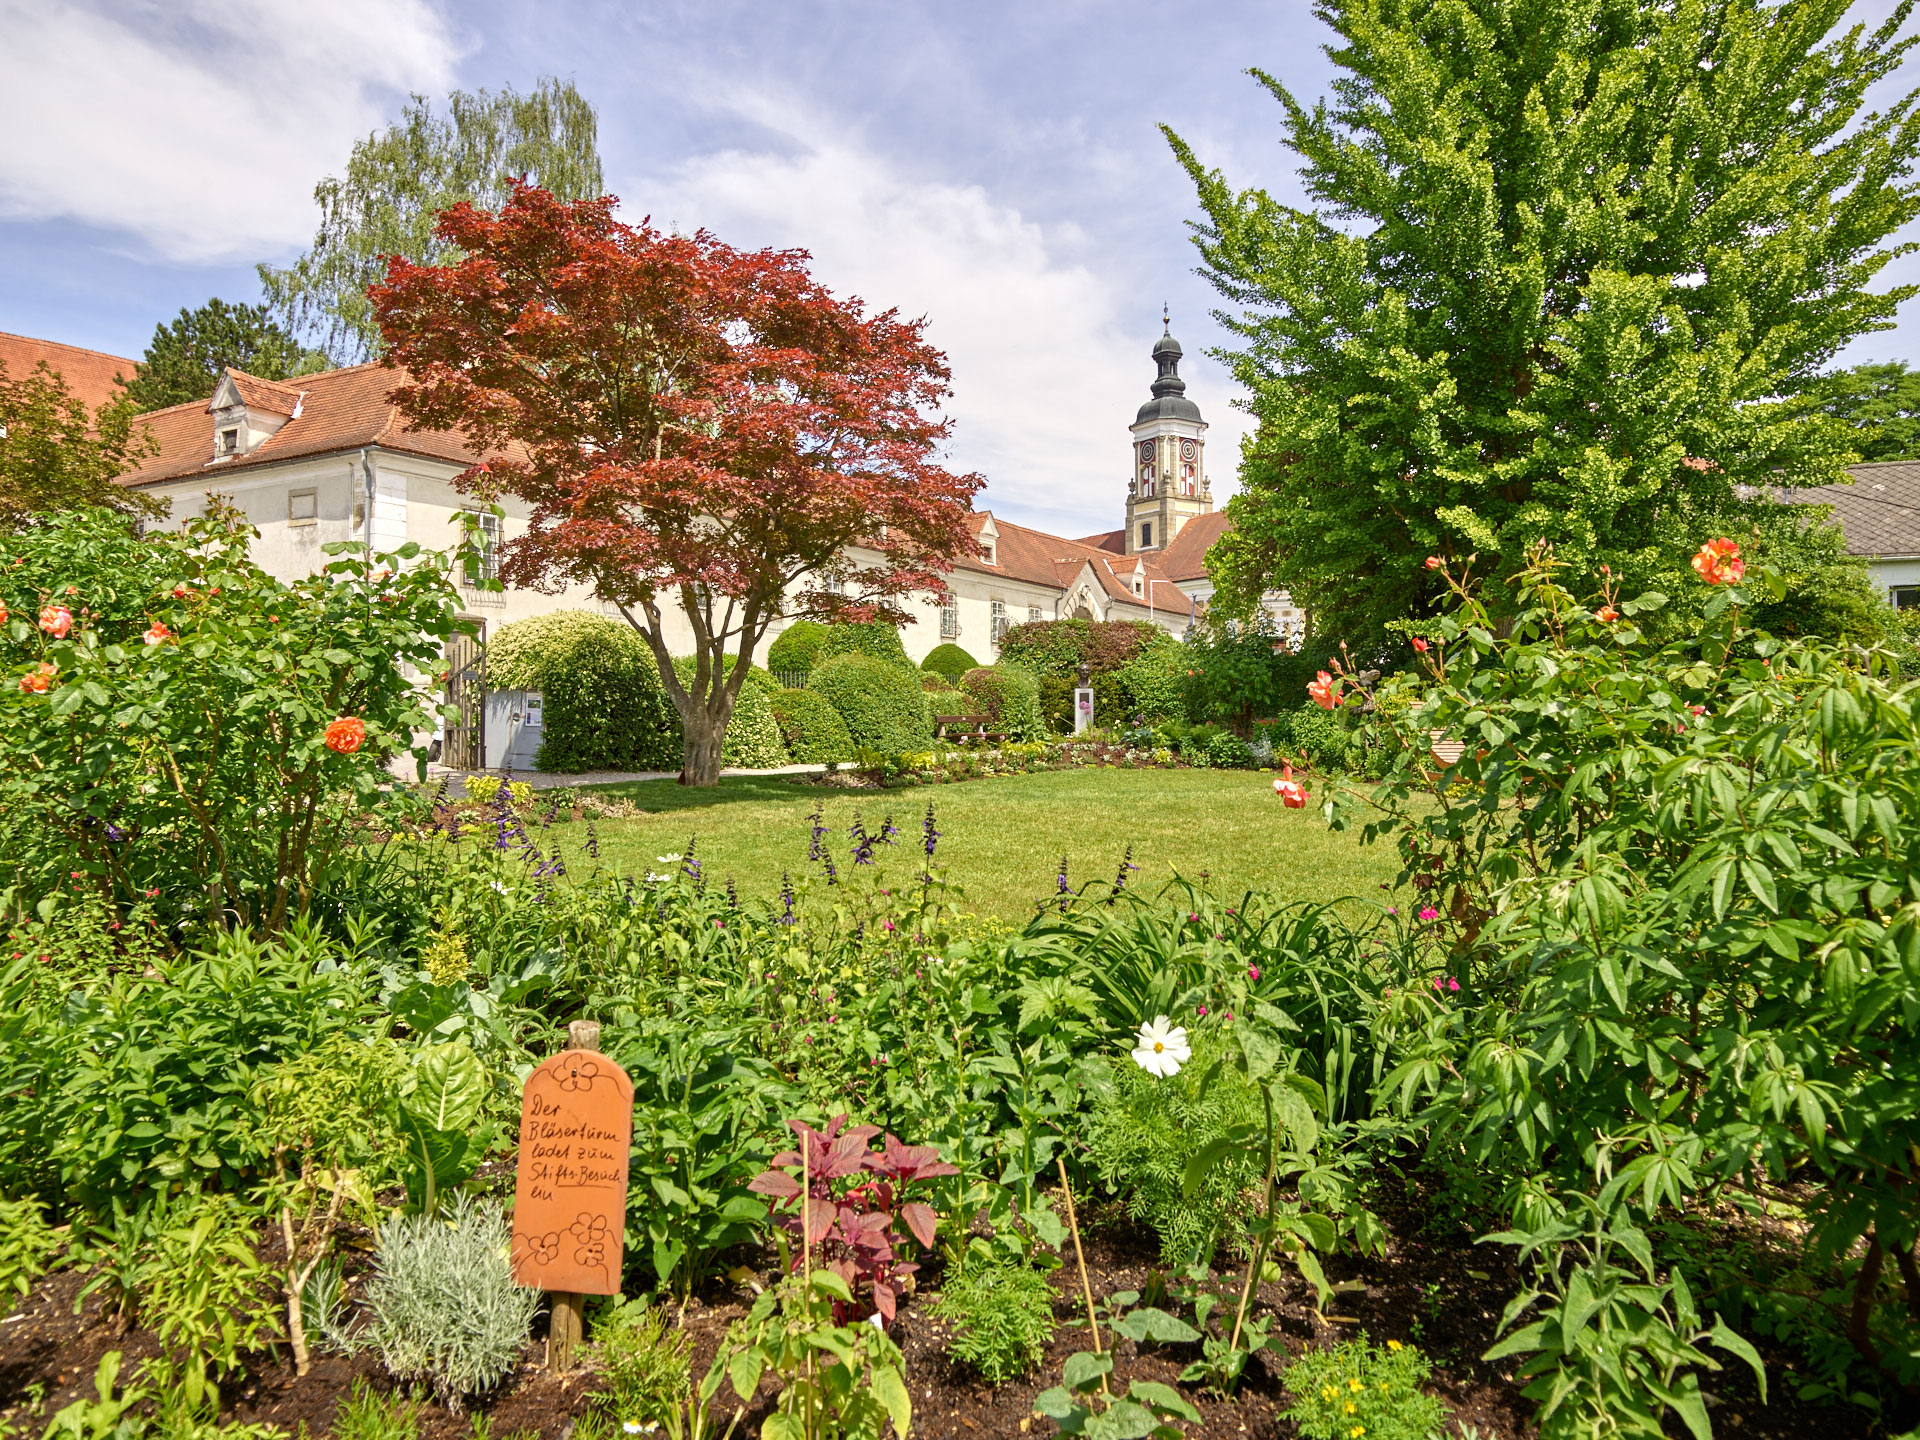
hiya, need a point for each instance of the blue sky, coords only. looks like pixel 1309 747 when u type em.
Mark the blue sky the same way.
pixel 995 167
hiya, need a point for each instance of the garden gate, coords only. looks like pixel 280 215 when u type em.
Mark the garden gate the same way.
pixel 464 743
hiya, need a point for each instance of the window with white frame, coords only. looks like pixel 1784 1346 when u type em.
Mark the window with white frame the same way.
pixel 1033 614
pixel 949 616
pixel 229 442
pixel 999 610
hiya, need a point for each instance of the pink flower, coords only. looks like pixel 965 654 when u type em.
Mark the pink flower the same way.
pixel 56 620
pixel 1433 562
pixel 1452 984
pixel 1324 690
pixel 1291 792
pixel 1429 913
pixel 1253 972
pixel 1203 1012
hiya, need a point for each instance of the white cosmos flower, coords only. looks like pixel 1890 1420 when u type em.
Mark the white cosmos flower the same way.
pixel 666 859
pixel 653 879
pixel 1161 1047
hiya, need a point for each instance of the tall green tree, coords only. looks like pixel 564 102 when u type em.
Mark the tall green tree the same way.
pixel 398 181
pixel 1568 266
pixel 1882 405
pixel 184 359
pixel 56 455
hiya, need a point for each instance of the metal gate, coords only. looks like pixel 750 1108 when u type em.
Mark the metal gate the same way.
pixel 464 744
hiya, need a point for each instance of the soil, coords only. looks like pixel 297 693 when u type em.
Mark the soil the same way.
pixel 1437 1291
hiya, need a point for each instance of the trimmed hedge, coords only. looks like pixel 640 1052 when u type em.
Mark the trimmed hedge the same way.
pixel 812 729
pixel 882 704
pixel 1011 695
pixel 948 702
pixel 949 662
pixel 796 649
pixel 866 637
pixel 604 704
pixel 1057 647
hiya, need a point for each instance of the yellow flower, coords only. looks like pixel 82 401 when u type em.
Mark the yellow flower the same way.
pixel 1355 1386
pixel 1394 1345
pixel 1327 1392
pixel 1349 1407
pixel 1357 1431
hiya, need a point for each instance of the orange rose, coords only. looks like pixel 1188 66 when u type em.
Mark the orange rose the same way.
pixel 1324 690
pixel 1719 563
pixel 157 633
pixel 1291 792
pixel 346 735
pixel 36 682
pixel 56 620
pixel 1607 614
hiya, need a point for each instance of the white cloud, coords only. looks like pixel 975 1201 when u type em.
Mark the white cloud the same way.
pixel 1049 357
pixel 199 128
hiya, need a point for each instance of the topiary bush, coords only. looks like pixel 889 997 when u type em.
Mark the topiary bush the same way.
pixel 796 649
pixel 949 662
pixel 881 704
pixel 1152 685
pixel 811 728
pixel 867 637
pixel 1011 695
pixel 605 706
pixel 1059 647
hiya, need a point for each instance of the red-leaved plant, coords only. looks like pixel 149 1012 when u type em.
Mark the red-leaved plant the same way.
pixel 850 1203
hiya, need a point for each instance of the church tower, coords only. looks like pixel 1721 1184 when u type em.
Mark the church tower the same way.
pixel 1169 485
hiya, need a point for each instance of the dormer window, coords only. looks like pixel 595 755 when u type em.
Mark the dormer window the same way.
pixel 986 553
pixel 229 443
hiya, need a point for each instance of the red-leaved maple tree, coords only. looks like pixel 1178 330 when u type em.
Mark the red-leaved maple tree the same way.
pixel 699 431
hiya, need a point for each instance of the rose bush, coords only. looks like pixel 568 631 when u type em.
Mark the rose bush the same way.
pixel 1684 901
pixel 179 721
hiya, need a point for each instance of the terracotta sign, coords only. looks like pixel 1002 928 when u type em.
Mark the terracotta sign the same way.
pixel 570 1196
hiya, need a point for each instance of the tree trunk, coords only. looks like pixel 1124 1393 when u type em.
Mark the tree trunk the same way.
pixel 703 739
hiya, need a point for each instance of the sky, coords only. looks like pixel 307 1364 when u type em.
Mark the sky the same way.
pixel 997 168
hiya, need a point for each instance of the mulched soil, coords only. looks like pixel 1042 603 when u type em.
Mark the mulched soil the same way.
pixel 1432 1288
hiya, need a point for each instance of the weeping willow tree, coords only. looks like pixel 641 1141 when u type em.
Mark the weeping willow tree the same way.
pixel 396 183
pixel 1567 272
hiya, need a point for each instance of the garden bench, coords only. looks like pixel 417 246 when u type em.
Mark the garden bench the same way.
pixel 971 727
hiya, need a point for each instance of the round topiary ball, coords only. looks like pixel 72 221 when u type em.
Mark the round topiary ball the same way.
pixel 796 649
pixel 949 662
pixel 868 637
pixel 813 730
pixel 880 703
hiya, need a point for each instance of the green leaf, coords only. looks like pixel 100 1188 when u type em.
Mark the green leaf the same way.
pixel 744 1371
pixel 891 1391
pixel 1125 1421
pixel 1728 1339
pixel 1163 1398
pixel 831 1282
pixel 1150 1324
pixel 444 1087
pixel 1084 1370
pixel 782 1427
pixel 1210 1155
pixel 1055 1404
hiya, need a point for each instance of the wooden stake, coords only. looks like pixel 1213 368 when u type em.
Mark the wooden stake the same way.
pixel 566 1312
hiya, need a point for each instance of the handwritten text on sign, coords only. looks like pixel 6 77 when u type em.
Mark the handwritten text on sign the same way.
pixel 570 1197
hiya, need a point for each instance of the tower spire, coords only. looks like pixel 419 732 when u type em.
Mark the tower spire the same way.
pixel 1166 319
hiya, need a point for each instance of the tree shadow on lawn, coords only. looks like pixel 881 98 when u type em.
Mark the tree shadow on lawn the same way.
pixel 665 795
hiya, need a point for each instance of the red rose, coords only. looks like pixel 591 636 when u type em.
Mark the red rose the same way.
pixel 1419 645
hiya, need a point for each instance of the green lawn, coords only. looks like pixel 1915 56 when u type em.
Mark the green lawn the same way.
pixel 1001 839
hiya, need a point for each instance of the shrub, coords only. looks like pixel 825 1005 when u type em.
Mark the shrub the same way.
pixel 1002 1316
pixel 796 649
pixel 1360 1389
pixel 443 1310
pixel 1226 751
pixel 604 705
pixel 949 662
pixel 811 728
pixel 1152 686
pixel 1142 1132
pixel 948 702
pixel 647 1364
pixel 1056 703
pixel 872 638
pixel 1058 647
pixel 1240 670
pixel 1011 696
pixel 203 1289
pixel 880 703
pixel 174 738
pixel 1321 735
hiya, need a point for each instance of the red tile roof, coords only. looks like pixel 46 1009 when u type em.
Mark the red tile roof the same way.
pixel 1056 562
pixel 89 373
pixel 1186 557
pixel 339 410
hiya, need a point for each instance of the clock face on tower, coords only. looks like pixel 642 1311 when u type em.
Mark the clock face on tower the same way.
pixel 1187 449
pixel 1146 453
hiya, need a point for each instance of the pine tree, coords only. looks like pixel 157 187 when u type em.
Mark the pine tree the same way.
pixel 398 181
pixel 1569 263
